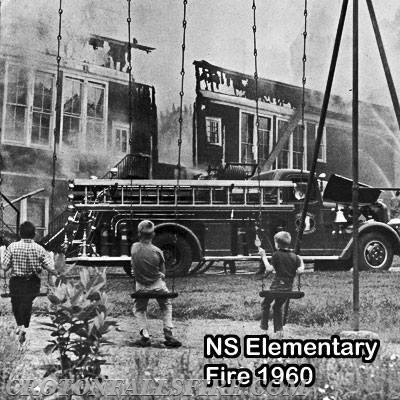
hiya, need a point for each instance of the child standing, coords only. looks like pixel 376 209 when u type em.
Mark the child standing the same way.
pixel 285 263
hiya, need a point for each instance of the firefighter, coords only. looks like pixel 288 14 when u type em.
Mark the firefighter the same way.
pixel 149 273
pixel 285 263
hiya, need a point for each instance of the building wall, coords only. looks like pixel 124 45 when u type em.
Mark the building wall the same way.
pixel 212 154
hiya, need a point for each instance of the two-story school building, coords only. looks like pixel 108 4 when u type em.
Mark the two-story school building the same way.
pixel 224 127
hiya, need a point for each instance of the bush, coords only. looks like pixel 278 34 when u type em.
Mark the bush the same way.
pixel 78 324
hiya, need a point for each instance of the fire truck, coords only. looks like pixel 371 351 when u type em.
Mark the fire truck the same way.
pixel 199 222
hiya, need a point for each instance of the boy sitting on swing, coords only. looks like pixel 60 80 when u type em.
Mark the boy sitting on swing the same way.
pixel 149 273
pixel 285 263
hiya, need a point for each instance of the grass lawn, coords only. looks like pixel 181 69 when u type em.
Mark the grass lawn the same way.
pixel 327 303
pixel 230 304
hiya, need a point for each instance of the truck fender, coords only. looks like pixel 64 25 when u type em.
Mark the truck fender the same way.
pixel 374 227
pixel 193 239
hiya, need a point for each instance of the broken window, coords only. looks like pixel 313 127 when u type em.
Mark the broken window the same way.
pixel 121 139
pixel 72 98
pixel 213 130
pixel 247 138
pixel 17 104
pixel 42 109
pixel 95 116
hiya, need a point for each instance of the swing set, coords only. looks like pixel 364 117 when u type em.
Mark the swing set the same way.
pixel 281 142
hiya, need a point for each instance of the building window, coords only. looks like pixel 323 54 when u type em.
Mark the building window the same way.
pixel 214 131
pixel 292 154
pixel 37 210
pixel 28 90
pixel 312 130
pixel 264 133
pixel 16 105
pixel 284 159
pixel 121 139
pixel 95 116
pixel 298 148
pixel 42 109
pixel 72 108
pixel 247 147
pixel 84 114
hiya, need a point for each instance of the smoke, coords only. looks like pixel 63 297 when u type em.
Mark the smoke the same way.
pixel 168 134
pixel 32 26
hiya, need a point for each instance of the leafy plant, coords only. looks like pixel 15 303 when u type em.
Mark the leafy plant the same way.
pixel 11 354
pixel 78 325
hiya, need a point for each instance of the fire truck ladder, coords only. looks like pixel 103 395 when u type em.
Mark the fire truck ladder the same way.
pixel 143 193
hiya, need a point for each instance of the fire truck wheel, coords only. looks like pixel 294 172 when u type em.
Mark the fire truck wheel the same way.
pixel 375 252
pixel 177 253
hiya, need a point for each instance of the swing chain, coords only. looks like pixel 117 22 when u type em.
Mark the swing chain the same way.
pixel 304 78
pixel 181 93
pixel 129 69
pixel 255 54
pixel 180 120
pixel 58 105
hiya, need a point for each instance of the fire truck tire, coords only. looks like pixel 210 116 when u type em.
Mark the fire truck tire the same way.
pixel 375 252
pixel 178 249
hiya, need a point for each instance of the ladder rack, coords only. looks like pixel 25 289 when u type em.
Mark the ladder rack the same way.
pixel 108 193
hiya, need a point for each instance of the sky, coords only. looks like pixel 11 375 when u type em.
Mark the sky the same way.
pixel 220 31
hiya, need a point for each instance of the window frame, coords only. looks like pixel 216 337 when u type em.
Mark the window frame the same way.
pixel 271 133
pixel 219 121
pixel 82 140
pixel 28 121
pixel 290 166
pixel 121 126
pixel 52 113
pixel 255 144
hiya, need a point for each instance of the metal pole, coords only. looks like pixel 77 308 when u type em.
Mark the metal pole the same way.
pixel 385 63
pixel 321 125
pixel 356 289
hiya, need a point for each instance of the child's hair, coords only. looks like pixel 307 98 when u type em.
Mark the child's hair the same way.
pixel 282 239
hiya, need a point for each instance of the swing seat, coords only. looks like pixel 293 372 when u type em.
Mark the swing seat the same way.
pixel 154 294
pixel 282 294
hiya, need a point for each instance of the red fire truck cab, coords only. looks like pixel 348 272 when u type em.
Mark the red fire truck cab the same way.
pixel 201 221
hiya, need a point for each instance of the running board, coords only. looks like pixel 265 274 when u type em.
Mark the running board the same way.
pixel 257 257
pixel 126 260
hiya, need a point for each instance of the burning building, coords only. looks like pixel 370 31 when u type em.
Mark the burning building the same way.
pixel 90 128
pixel 224 124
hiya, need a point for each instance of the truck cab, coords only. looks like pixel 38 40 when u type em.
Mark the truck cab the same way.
pixel 327 238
